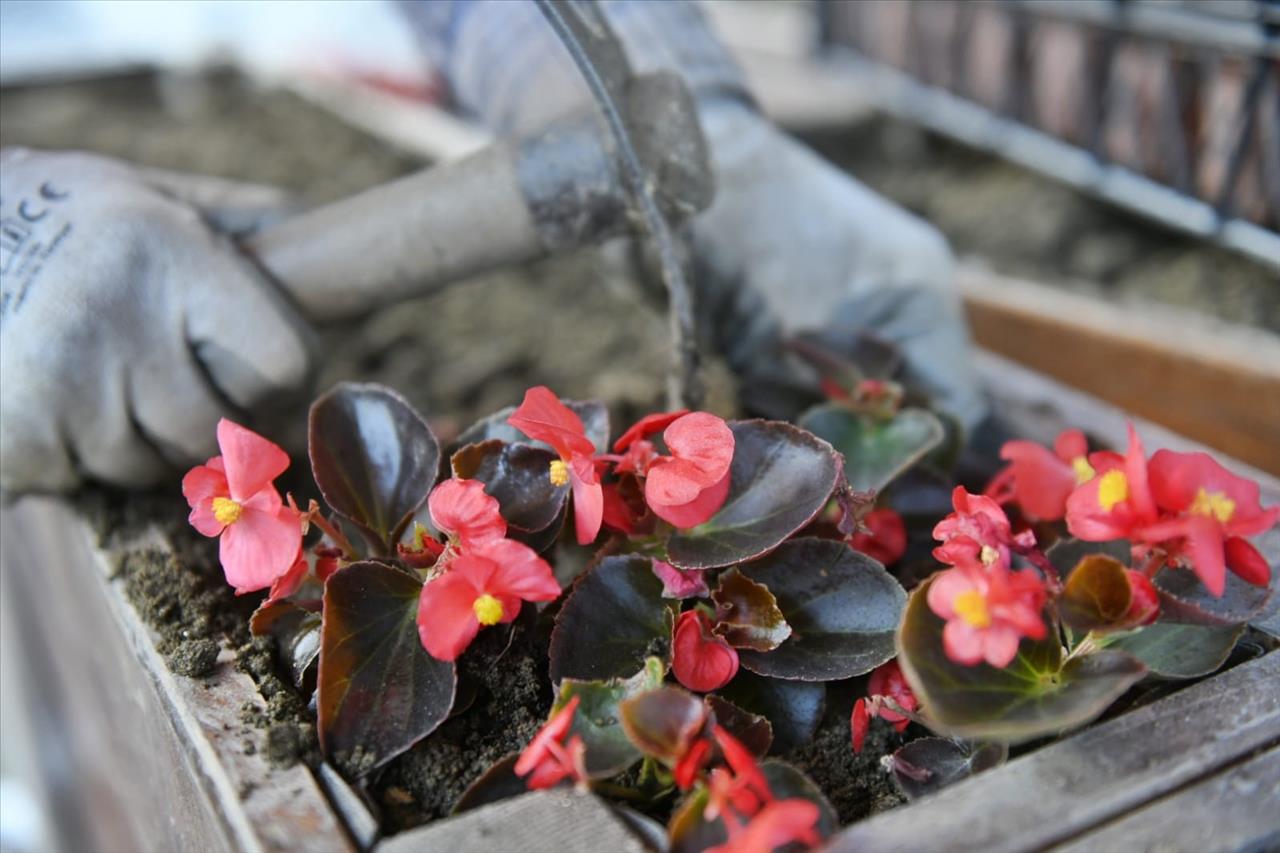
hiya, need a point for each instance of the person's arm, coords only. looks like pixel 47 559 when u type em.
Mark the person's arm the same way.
pixel 790 242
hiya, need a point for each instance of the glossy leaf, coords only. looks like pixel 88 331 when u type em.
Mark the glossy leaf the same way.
pixel 747 614
pixel 594 415
pixel 1067 552
pixel 296 631
pixel 794 708
pixel 1096 595
pixel 598 719
pixel 379 690
pixel 499 782
pixel 842 606
pixel 662 722
pixel 1173 650
pixel 779 481
pixel 612 619
pixel 1035 695
pixel 875 451
pixel 1183 598
pixel 753 731
pixel 518 476
pixel 929 764
pixel 373 457
pixel 789 782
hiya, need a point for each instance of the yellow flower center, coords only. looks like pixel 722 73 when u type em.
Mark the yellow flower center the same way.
pixel 1213 504
pixel 226 510
pixel 1113 488
pixel 1084 471
pixel 488 609
pixel 559 473
pixel 988 555
pixel 972 608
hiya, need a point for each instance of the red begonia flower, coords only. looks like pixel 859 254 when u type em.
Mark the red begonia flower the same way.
pixel 743 788
pixel 691 764
pixel 988 609
pixel 681 583
pixel 774 827
pixel 547 759
pixel 689 486
pixel 700 660
pixel 886 681
pixel 885 539
pixel 1117 503
pixel 231 496
pixel 1040 481
pixel 1208 510
pixel 542 417
pixel 288 583
pixel 460 508
pixel 978 526
pixel 645 427
pixel 483 586
pixel 1144 606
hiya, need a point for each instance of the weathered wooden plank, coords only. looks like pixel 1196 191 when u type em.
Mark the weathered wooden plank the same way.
pixel 1072 786
pixel 561 820
pixel 1207 380
pixel 1239 809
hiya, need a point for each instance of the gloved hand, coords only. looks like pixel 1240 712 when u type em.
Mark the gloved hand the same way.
pixel 807 246
pixel 128 326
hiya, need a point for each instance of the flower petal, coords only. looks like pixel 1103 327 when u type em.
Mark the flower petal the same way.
pixel 542 417
pixel 645 427
pixel 681 583
pixel 462 508
pixel 700 660
pixel 700 509
pixel 446 613
pixel 1000 645
pixel 588 507
pixel 205 481
pixel 259 547
pixel 252 461
pixel 705 442
pixel 962 643
pixel 1247 562
pixel 519 571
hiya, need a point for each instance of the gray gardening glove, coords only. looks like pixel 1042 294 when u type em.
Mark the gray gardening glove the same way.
pixel 128 326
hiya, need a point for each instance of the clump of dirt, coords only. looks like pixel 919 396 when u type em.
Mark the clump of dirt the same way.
pixel 193 658
pixel 512 697
pixel 855 783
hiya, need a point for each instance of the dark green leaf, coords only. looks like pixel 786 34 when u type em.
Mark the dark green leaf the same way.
pixel 373 457
pixel 662 722
pixel 788 782
pixel 1096 595
pixel 930 764
pixel 793 707
pixel 597 719
pixel 875 451
pixel 296 631
pixel 594 415
pixel 379 690
pixel 1173 650
pixel 688 830
pixel 499 782
pixel 612 619
pixel 754 731
pixel 747 614
pixel 779 481
pixel 842 606
pixel 1066 553
pixel 1037 694
pixel 1183 598
pixel 518 476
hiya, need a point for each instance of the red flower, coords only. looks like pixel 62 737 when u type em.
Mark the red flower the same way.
pixel 542 417
pixel 1040 481
pixel 681 583
pixel 461 509
pixel 689 486
pixel 482 586
pixel 637 453
pixel 1208 510
pixel 989 609
pixel 700 660
pixel 547 759
pixel 885 539
pixel 289 583
pixel 1144 606
pixel 777 825
pixel 691 763
pixel 232 496
pixel 886 682
pixel 1117 503
pixel 977 527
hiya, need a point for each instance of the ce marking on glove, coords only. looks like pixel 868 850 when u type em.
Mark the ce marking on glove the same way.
pixel 22 251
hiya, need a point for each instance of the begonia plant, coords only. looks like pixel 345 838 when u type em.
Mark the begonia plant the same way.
pixel 728 570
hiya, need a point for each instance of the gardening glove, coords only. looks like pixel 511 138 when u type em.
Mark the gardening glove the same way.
pixel 789 243
pixel 129 326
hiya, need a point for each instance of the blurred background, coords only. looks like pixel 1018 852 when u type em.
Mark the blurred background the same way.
pixel 1111 167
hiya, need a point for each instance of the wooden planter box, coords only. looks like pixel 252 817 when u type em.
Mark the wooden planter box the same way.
pixel 135 757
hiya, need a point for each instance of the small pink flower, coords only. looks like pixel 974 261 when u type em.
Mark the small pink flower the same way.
pixel 1040 480
pixel 483 586
pixel 978 526
pixel 887 681
pixel 232 497
pixel 689 486
pixel 700 660
pixel 1117 503
pixel 548 758
pixel 988 610
pixel 542 417
pixel 461 509
pixel 681 583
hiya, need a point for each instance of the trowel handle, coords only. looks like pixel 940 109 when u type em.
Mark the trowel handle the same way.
pixel 507 204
